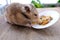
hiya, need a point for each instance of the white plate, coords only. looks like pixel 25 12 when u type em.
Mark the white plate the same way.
pixel 54 14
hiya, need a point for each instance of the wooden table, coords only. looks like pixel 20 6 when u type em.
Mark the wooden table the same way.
pixel 10 32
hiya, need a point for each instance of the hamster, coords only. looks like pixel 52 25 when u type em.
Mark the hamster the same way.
pixel 21 14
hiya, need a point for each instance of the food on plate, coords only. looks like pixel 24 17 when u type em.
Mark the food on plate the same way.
pixel 45 20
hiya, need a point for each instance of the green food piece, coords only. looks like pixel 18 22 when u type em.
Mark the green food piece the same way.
pixel 37 5
pixel 58 1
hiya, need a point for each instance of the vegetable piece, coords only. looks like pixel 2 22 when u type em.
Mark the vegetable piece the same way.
pixel 37 5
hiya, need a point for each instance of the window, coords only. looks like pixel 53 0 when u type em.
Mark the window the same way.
pixel 29 1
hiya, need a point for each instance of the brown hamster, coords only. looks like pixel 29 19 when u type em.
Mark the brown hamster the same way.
pixel 21 14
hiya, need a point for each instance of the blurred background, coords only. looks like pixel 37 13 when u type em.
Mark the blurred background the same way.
pixel 36 3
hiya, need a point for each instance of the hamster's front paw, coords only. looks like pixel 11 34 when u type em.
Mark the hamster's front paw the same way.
pixel 29 25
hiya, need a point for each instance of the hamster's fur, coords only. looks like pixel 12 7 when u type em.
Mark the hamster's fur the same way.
pixel 21 14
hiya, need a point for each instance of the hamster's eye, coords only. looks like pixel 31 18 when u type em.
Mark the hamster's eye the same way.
pixel 35 14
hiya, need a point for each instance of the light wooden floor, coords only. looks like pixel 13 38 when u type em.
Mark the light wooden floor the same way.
pixel 10 32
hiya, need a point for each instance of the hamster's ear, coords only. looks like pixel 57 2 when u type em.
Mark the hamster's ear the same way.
pixel 27 9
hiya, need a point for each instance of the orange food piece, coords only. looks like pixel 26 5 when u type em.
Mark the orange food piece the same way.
pixel 45 22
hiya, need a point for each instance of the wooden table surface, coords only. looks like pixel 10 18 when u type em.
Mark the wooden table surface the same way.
pixel 10 32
